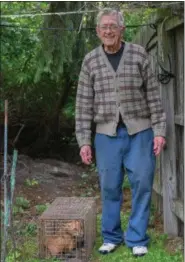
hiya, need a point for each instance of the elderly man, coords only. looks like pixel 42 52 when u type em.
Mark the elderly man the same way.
pixel 118 90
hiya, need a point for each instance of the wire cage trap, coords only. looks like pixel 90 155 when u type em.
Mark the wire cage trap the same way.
pixel 67 229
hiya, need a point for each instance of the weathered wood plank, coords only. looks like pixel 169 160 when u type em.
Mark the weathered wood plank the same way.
pixel 179 130
pixel 174 22
pixel 157 186
pixel 168 155
pixel 157 200
pixel 178 209
pixel 179 120
pixel 144 35
pixel 179 108
pixel 153 60
pixel 157 189
pixel 179 71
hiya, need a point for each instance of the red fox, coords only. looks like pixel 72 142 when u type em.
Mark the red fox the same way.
pixel 60 244
pixel 65 238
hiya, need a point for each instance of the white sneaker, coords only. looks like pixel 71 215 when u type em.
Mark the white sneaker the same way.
pixel 139 251
pixel 107 248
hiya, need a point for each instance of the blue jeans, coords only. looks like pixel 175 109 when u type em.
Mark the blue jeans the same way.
pixel 135 154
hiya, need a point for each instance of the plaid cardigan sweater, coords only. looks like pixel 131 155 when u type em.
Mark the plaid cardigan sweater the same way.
pixel 131 91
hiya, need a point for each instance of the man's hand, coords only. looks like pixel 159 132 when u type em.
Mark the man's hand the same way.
pixel 159 143
pixel 86 154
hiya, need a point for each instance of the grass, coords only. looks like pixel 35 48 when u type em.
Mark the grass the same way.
pixel 157 252
pixel 27 251
pixel 126 183
pixel 27 247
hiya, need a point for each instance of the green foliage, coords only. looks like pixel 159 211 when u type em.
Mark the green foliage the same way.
pixel 31 182
pixel 27 251
pixel 93 168
pixel 84 175
pixel 22 202
pixel 41 208
pixel 69 109
pixel 136 19
pixel 126 183
pixel 61 50
pixel 38 66
pixel 1 106
pixel 29 230
pixel 17 210
pixel 12 256
pixel 19 46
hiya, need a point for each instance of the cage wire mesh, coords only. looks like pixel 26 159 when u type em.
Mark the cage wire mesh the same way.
pixel 67 229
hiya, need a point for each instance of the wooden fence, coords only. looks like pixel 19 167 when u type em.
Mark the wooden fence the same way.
pixel 164 42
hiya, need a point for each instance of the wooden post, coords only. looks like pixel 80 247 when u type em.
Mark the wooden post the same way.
pixel 169 154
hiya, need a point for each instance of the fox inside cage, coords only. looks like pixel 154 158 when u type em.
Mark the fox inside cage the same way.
pixel 67 229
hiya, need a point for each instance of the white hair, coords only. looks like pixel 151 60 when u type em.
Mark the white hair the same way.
pixel 110 11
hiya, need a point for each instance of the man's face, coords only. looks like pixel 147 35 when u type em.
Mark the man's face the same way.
pixel 109 30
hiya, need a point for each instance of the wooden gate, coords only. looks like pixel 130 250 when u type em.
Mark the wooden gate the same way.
pixel 166 50
pixel 172 160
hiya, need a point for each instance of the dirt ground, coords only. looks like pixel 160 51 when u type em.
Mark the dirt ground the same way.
pixel 58 178
pixel 55 179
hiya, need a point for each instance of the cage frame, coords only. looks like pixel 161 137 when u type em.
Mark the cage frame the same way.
pixel 62 211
